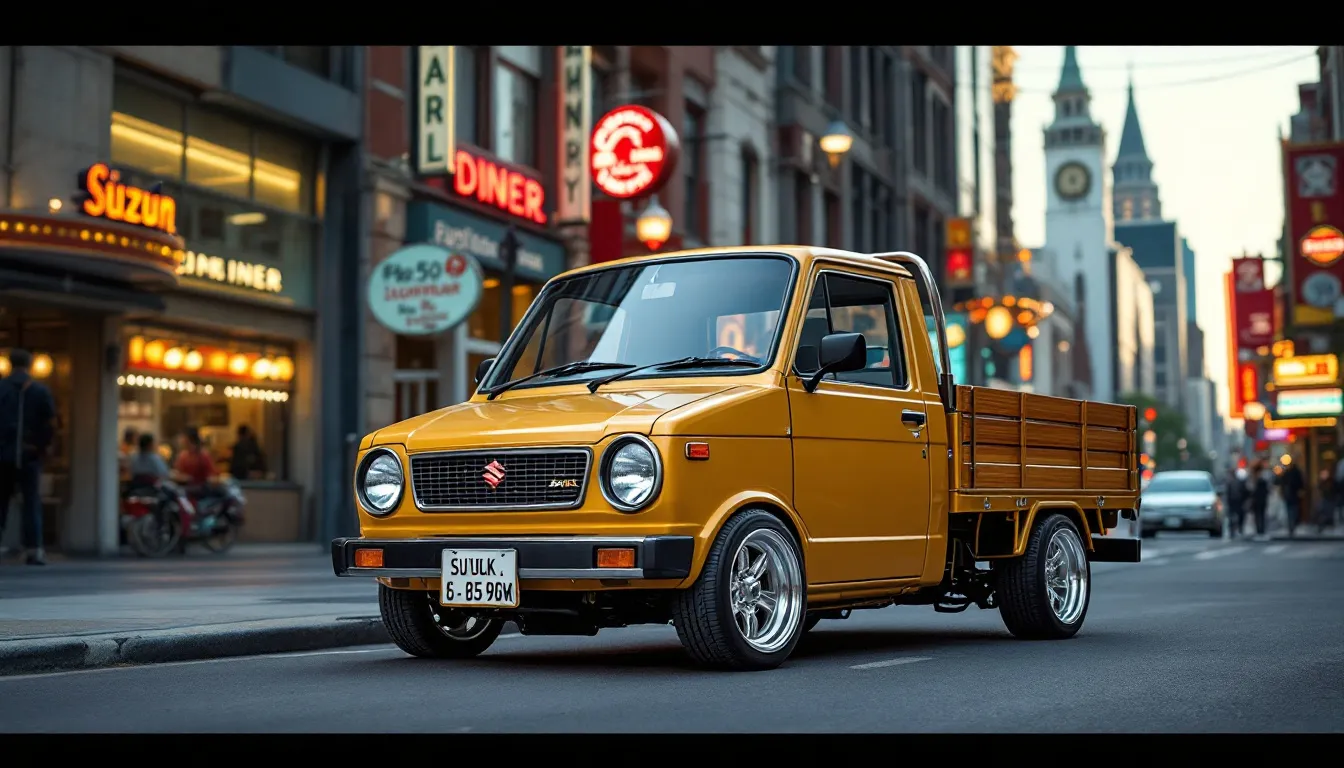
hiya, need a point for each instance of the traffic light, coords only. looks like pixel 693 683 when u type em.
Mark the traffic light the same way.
pixel 1150 414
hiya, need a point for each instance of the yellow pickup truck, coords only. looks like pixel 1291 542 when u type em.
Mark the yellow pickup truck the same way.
pixel 741 443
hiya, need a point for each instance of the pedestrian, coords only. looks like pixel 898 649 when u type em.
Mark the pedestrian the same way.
pixel 1325 501
pixel 147 464
pixel 1339 488
pixel 193 464
pixel 246 460
pixel 1234 498
pixel 1291 485
pixel 27 428
pixel 126 452
pixel 1259 500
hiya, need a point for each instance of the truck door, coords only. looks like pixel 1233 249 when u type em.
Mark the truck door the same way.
pixel 860 447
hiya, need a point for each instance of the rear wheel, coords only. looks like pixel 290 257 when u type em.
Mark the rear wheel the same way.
pixel 1044 595
pixel 748 608
pixel 421 627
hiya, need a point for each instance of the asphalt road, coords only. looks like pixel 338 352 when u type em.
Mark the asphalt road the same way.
pixel 1206 636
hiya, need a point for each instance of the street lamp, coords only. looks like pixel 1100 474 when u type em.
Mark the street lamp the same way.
pixel 998 322
pixel 1253 411
pixel 654 225
pixel 836 141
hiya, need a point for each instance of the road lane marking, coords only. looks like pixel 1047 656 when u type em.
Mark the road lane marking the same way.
pixel 1153 552
pixel 1212 553
pixel 892 662
pixel 1157 561
pixel 1312 550
pixel 1276 549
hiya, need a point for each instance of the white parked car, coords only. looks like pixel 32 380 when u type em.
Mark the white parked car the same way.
pixel 1181 501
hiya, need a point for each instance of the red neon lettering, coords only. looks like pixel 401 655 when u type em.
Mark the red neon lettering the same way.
pixel 492 184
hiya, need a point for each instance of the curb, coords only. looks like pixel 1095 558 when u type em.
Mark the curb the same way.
pixel 190 644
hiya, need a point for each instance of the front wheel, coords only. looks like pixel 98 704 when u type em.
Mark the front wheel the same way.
pixel 748 608
pixel 1044 595
pixel 421 627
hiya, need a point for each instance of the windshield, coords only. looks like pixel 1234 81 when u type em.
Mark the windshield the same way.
pixel 650 313
pixel 1168 484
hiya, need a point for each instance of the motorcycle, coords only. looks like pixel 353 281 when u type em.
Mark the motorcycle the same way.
pixel 159 516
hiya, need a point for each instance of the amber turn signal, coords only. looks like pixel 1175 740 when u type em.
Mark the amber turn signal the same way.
pixel 368 558
pixel 615 558
pixel 697 451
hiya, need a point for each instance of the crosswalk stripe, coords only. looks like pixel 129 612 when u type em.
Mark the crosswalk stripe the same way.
pixel 1276 549
pixel 1309 551
pixel 1212 553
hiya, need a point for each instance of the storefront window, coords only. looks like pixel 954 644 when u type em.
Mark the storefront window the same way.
pixel 173 380
pixel 220 153
pixel 484 322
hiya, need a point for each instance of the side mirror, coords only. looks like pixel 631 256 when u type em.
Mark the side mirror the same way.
pixel 484 368
pixel 839 352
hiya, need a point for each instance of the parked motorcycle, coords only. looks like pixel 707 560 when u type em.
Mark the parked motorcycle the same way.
pixel 159 516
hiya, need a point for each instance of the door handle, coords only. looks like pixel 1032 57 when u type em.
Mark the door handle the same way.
pixel 912 419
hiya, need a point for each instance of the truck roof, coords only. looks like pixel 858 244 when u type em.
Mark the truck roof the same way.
pixel 804 253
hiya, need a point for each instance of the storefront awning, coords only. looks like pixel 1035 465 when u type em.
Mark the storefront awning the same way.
pixel 76 291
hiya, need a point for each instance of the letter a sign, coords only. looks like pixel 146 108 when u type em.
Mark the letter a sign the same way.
pixel 435 110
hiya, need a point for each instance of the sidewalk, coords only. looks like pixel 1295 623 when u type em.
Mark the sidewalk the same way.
pixel 256 599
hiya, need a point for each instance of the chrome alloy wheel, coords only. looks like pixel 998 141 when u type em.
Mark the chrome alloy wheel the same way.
pixel 456 624
pixel 766 590
pixel 1066 575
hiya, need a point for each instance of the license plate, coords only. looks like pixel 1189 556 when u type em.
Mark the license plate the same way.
pixel 479 578
pixel 1174 522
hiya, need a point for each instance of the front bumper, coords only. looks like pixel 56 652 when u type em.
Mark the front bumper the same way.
pixel 539 557
pixel 1156 521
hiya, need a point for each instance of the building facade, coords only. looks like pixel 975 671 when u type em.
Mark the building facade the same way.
pixel 896 186
pixel 1159 249
pixel 1133 349
pixel 1078 221
pixel 177 215
pixel 741 168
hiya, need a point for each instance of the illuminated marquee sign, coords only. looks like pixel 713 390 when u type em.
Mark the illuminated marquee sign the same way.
pixel 1311 402
pixel 633 152
pixel 1306 370
pixel 1323 245
pixel 575 189
pixel 435 109
pixel 241 274
pixel 491 183
pixel 107 198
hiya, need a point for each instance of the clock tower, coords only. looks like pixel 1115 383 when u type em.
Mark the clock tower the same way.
pixel 1078 225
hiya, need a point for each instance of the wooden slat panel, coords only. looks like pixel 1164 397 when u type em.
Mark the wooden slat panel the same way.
pixel 1053 477
pixel 1099 439
pixel 1047 457
pixel 1108 415
pixel 1005 432
pixel 1057 409
pixel 1107 480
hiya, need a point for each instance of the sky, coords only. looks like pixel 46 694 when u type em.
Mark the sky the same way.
pixel 1211 118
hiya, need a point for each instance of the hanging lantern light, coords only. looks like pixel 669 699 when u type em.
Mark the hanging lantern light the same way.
pixel 42 365
pixel 135 350
pixel 261 368
pixel 173 358
pixel 154 352
pixel 193 361
pixel 654 225
pixel 282 369
pixel 219 361
pixel 1252 411
pixel 4 364
pixel 238 365
pixel 836 141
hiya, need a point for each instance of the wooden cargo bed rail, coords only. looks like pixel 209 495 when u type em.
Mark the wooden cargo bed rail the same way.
pixel 1029 442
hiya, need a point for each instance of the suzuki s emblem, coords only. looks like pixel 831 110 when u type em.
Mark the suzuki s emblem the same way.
pixel 564 483
pixel 494 474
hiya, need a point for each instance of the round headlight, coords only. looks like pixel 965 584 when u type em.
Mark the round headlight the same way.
pixel 381 482
pixel 631 473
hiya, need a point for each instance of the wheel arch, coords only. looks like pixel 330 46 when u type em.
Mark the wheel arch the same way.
pixel 766 502
pixel 1040 509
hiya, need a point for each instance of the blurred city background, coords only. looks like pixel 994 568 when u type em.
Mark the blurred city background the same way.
pixel 189 233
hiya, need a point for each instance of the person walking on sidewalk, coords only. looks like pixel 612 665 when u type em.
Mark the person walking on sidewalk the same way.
pixel 1234 496
pixel 1291 485
pixel 27 417
pixel 1325 501
pixel 1259 496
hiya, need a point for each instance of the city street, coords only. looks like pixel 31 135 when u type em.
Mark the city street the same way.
pixel 1205 636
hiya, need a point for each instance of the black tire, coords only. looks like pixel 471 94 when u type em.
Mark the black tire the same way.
pixel 410 619
pixel 156 534
pixel 1024 597
pixel 1215 533
pixel 703 613
pixel 812 621
pixel 222 539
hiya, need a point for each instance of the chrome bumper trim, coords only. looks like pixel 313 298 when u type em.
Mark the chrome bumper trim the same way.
pixel 523 573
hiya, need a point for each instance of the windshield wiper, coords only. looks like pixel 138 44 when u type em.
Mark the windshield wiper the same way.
pixel 559 370
pixel 671 365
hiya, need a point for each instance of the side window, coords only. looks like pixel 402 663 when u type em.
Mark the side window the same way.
pixel 848 305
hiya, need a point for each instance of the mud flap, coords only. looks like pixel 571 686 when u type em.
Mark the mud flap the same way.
pixel 1115 550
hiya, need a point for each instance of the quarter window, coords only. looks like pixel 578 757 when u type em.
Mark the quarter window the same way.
pixel 850 305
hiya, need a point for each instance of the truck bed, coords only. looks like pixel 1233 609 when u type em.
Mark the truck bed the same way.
pixel 1023 443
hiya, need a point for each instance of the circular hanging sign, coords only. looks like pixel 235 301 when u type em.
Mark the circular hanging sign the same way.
pixel 424 289
pixel 633 151
pixel 1323 245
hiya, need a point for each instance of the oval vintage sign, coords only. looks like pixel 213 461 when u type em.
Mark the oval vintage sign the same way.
pixel 425 289
pixel 632 152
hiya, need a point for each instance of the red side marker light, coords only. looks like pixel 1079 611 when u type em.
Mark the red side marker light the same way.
pixel 697 451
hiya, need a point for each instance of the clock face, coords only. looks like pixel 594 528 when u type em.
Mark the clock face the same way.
pixel 1072 181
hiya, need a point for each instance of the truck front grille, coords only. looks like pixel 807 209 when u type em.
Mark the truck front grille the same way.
pixel 534 478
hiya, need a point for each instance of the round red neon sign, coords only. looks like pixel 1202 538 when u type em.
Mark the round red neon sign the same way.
pixel 632 152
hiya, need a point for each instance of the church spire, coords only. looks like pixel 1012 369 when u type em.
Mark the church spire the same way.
pixel 1131 136
pixel 1070 77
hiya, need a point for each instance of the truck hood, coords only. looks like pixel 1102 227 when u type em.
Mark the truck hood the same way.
pixel 572 416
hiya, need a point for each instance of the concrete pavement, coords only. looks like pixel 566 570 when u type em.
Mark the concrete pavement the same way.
pixel 1204 636
pixel 254 599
